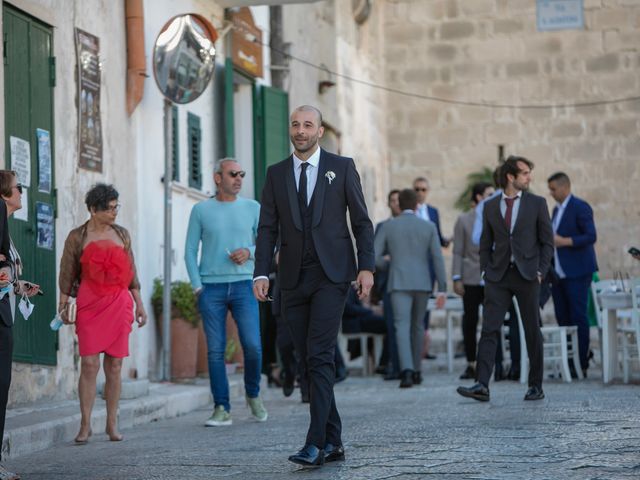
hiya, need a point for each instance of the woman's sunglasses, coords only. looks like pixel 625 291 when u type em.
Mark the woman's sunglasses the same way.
pixel 19 187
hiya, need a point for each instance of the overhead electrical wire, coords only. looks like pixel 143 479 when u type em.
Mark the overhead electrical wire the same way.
pixel 468 103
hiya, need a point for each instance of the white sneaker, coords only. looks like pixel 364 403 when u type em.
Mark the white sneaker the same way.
pixel 220 418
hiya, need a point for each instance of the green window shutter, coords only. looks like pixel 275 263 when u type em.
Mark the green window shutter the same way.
pixel 194 134
pixel 175 153
pixel 272 125
pixel 28 106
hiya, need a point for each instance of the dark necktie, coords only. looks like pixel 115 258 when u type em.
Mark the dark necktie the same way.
pixel 507 214
pixel 302 185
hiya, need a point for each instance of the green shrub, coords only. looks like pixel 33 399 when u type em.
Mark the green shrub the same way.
pixel 183 301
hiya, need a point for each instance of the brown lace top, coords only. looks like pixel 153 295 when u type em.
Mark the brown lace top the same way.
pixel 69 278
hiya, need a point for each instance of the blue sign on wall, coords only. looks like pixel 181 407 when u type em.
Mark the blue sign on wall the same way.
pixel 559 14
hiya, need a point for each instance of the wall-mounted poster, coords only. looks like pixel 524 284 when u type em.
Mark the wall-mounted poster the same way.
pixel 89 119
pixel 44 160
pixel 21 159
pixel 44 220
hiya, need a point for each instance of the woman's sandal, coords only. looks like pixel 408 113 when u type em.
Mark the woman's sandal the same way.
pixel 82 440
pixel 114 437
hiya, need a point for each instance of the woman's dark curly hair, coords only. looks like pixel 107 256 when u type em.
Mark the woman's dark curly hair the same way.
pixel 99 196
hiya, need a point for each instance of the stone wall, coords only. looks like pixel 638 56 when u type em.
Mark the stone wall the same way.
pixel 489 51
pixel 324 33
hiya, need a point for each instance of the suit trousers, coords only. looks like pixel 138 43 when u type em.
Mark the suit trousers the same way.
pixel 313 312
pixel 6 353
pixel 471 301
pixel 570 297
pixel 408 313
pixel 497 300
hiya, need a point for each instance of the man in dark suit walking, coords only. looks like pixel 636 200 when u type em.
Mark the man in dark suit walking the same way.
pixel 516 248
pixel 304 201
pixel 575 260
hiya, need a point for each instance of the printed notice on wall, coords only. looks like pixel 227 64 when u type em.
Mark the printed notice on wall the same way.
pixel 559 15
pixel 44 219
pixel 44 160
pixel 23 213
pixel 89 119
pixel 21 159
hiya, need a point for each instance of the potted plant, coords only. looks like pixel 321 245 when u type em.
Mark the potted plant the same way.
pixel 185 321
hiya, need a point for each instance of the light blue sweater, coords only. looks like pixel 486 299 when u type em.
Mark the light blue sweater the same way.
pixel 222 227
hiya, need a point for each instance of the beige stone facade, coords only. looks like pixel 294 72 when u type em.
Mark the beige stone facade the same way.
pixel 488 52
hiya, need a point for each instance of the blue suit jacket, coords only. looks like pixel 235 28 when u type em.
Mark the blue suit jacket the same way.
pixel 435 218
pixel 577 223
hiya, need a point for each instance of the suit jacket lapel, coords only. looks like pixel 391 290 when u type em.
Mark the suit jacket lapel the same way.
pixel 524 202
pixel 319 190
pixel 292 193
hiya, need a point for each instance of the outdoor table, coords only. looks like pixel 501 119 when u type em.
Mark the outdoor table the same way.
pixel 611 302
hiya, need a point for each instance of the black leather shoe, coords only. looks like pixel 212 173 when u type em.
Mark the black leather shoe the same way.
pixel 392 376
pixel 341 374
pixel 477 392
pixel 406 379
pixel 308 456
pixel 304 397
pixel 287 384
pixel 469 373
pixel 333 453
pixel 534 393
pixel 417 378
pixel 514 374
pixel 428 356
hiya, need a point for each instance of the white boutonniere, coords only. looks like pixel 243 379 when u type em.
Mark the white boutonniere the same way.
pixel 330 176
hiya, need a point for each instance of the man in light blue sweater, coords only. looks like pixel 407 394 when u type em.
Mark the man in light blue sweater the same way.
pixel 226 226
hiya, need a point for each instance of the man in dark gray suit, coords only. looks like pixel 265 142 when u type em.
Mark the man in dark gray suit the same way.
pixel 412 244
pixel 516 248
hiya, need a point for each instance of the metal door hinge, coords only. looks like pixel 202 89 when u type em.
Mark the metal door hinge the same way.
pixel 52 71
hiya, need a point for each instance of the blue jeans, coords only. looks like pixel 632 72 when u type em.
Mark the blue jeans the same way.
pixel 214 302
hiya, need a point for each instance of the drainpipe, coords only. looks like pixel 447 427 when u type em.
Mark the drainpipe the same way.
pixel 278 60
pixel 136 62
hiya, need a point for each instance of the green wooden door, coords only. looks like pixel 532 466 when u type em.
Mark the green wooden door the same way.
pixel 29 76
pixel 271 127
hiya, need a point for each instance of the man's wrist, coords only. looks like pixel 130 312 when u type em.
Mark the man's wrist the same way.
pixel 457 278
pixel 260 277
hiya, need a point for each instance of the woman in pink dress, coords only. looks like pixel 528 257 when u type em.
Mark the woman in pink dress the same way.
pixel 98 268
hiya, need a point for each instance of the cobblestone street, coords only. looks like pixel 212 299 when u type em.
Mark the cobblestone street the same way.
pixel 580 430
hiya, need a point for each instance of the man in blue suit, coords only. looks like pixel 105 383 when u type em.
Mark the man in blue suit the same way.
pixel 574 258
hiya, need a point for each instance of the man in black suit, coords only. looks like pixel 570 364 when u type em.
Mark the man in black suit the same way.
pixel 305 200
pixel 516 248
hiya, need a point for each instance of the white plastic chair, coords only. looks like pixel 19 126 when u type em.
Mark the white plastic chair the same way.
pixel 361 362
pixel 558 342
pixel 630 332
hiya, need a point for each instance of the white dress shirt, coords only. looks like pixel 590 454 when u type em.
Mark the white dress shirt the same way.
pixel 312 172
pixel 556 223
pixel 423 212
pixel 514 209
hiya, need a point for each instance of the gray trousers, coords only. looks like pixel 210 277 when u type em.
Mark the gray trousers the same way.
pixel 408 314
